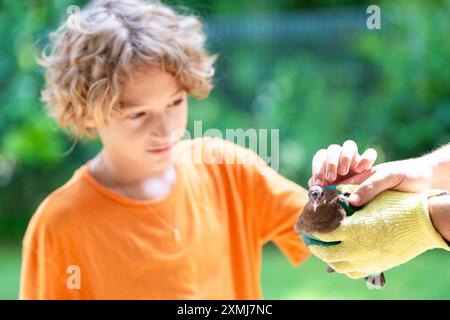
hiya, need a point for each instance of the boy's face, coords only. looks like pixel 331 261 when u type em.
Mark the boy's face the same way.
pixel 153 118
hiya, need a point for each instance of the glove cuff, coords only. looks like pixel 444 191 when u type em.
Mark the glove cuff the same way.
pixel 419 221
pixel 435 237
pixel 416 223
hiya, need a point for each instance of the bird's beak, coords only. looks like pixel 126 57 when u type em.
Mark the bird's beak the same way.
pixel 315 204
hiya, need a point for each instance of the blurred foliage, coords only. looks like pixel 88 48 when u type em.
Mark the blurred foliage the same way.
pixel 388 88
pixel 308 68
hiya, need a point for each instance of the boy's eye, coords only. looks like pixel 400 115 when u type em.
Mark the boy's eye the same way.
pixel 176 103
pixel 136 115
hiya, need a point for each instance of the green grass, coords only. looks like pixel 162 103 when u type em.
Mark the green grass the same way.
pixel 426 277
pixel 10 257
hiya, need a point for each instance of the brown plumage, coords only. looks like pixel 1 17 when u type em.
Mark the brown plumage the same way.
pixel 323 213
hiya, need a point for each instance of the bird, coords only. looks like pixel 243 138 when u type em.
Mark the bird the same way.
pixel 324 212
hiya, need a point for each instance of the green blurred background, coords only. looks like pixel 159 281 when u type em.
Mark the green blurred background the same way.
pixel 308 68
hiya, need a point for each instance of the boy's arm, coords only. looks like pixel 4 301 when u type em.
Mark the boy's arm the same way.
pixel 29 279
pixel 36 274
pixel 279 203
pixel 271 203
pixel 43 274
pixel 42 277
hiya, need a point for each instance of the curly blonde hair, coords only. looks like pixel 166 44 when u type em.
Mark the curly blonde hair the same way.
pixel 97 49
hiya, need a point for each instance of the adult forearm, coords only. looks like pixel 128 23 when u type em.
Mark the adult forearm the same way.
pixel 439 162
pixel 439 208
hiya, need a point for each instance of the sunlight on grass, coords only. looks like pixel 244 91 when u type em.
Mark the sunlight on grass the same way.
pixel 9 271
pixel 426 277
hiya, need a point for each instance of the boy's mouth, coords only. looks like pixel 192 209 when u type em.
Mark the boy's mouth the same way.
pixel 160 149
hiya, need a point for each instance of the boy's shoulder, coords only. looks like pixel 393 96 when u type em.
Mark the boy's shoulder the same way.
pixel 60 205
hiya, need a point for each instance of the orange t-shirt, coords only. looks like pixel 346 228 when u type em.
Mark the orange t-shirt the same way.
pixel 87 242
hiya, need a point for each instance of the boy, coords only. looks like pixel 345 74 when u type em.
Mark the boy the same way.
pixel 141 220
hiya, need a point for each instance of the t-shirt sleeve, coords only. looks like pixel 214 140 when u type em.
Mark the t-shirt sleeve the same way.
pixel 274 202
pixel 42 275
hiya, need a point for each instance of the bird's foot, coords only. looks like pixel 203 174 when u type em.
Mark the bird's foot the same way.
pixel 375 281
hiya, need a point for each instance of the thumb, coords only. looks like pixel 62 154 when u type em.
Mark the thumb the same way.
pixel 371 187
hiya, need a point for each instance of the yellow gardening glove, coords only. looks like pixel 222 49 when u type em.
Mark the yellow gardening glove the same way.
pixel 392 229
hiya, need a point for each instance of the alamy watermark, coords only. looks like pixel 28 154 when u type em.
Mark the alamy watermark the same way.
pixel 74 18
pixel 222 152
pixel 73 281
pixel 374 19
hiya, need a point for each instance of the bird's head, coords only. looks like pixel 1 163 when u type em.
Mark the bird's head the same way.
pixel 324 211
pixel 316 196
pixel 319 196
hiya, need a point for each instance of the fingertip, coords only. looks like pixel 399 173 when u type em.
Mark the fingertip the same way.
pixel 331 176
pixel 372 153
pixel 343 169
pixel 361 166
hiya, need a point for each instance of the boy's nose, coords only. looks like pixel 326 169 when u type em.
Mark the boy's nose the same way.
pixel 160 127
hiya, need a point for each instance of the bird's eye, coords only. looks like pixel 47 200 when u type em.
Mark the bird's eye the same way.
pixel 347 194
pixel 136 115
